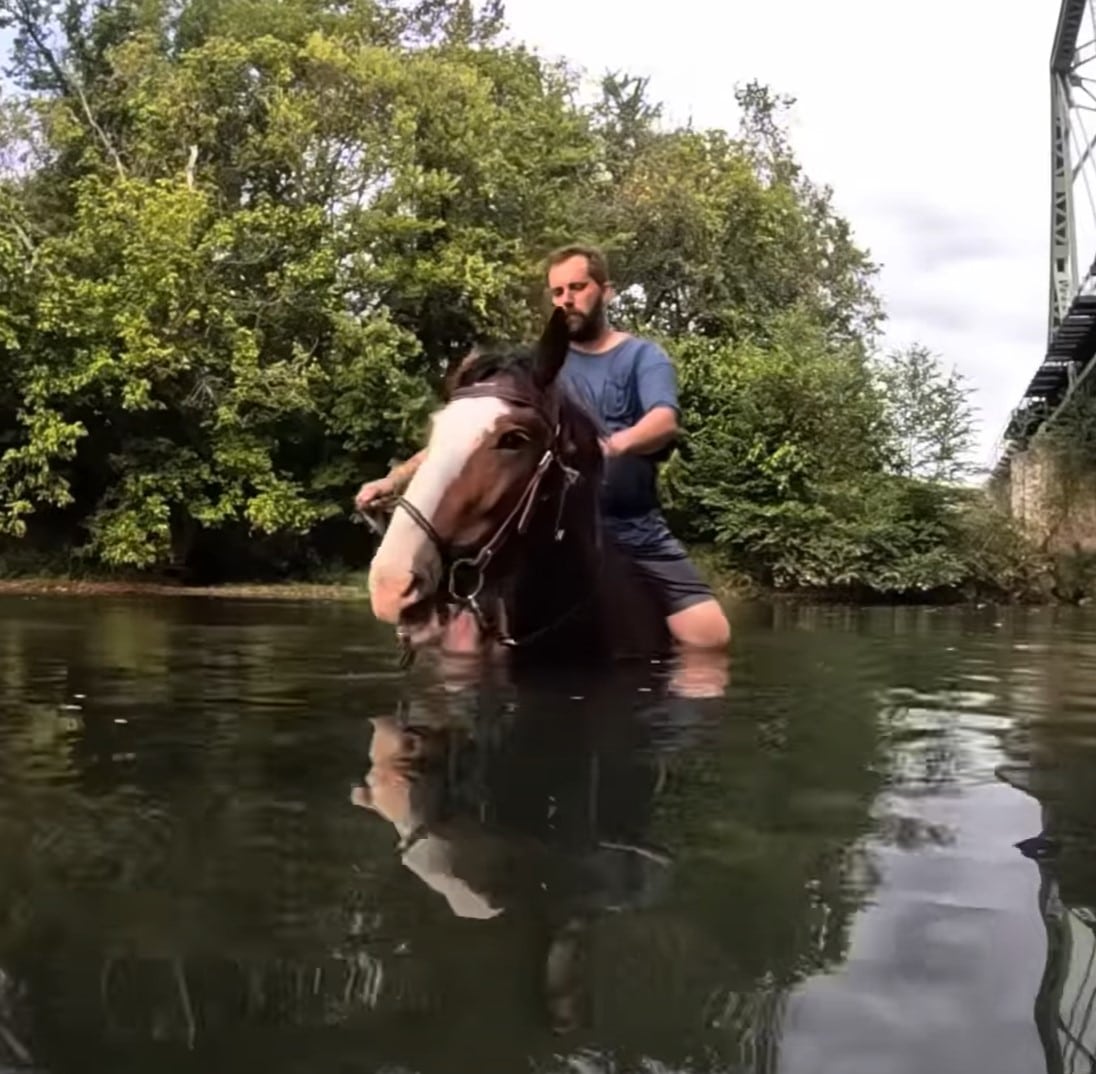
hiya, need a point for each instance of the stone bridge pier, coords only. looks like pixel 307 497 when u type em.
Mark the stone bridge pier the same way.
pixel 1051 493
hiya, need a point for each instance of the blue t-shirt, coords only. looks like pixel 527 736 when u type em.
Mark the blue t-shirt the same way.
pixel 618 387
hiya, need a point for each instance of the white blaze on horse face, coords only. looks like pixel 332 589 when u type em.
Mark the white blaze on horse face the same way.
pixel 406 552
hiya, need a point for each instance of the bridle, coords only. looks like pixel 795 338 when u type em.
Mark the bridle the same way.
pixel 467 573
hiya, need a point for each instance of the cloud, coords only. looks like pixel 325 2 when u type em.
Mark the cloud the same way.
pixel 930 122
pixel 941 315
pixel 940 237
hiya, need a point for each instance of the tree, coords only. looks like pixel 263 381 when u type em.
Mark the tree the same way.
pixel 716 235
pixel 258 252
pixel 783 435
pixel 929 414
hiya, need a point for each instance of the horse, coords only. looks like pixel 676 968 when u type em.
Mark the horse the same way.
pixel 502 809
pixel 502 520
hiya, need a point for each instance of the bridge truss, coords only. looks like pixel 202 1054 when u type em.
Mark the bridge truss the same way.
pixel 1071 328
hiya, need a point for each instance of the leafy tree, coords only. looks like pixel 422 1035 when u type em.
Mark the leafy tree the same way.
pixel 269 254
pixel 782 434
pixel 716 235
pixel 929 415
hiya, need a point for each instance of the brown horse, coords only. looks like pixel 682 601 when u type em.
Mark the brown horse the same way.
pixel 502 519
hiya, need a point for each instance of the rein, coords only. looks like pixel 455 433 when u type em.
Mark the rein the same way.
pixel 467 574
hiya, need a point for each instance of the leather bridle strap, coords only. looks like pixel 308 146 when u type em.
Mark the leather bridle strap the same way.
pixel 420 520
pixel 523 509
pixel 520 513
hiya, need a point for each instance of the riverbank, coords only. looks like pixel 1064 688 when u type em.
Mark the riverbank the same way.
pixel 1061 579
pixel 729 588
pixel 82 587
pixel 338 586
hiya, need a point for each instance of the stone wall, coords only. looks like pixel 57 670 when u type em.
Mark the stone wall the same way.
pixel 1053 498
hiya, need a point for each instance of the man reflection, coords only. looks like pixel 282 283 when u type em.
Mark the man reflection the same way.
pixel 695 675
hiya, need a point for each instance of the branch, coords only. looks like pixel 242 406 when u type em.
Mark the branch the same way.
pixel 69 85
pixel 192 161
pixel 24 238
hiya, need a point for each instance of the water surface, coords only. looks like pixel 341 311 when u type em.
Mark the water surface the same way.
pixel 234 837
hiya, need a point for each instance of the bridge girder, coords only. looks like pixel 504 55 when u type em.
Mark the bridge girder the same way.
pixel 1071 319
pixel 1064 276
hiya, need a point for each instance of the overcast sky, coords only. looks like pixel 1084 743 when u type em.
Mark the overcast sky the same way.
pixel 931 121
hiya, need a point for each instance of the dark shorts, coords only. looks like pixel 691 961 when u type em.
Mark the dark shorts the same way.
pixel 677 581
pixel 660 558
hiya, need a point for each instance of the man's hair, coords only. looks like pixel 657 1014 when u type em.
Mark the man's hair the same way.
pixel 596 261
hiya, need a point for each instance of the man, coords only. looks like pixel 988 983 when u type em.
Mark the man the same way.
pixel 629 387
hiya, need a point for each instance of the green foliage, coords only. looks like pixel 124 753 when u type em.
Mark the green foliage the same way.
pixel 930 417
pixel 257 252
pixel 787 471
pixel 719 235
pixel 241 242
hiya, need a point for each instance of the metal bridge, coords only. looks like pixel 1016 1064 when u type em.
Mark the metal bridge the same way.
pixel 1071 328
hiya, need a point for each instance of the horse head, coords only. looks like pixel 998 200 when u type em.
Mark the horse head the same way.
pixel 501 456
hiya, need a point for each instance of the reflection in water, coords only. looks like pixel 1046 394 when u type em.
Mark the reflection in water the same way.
pixel 1054 763
pixel 234 837
pixel 1065 1009
pixel 529 810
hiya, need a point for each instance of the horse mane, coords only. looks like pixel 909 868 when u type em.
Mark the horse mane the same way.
pixel 486 360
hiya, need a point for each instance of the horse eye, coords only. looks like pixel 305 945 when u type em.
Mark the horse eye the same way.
pixel 512 440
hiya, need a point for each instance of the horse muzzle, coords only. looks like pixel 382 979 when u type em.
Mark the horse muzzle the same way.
pixel 392 594
pixel 419 616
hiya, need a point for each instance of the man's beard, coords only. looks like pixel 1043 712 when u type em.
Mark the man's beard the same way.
pixel 586 327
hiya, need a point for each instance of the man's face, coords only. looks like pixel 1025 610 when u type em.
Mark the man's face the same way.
pixel 583 300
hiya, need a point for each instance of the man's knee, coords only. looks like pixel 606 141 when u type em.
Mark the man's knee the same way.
pixel 703 625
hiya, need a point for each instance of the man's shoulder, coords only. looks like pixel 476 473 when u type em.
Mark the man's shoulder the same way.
pixel 639 350
pixel 628 356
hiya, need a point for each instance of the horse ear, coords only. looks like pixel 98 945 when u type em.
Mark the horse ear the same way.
pixel 552 349
pixel 452 378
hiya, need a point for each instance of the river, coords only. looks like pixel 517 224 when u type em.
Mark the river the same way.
pixel 234 836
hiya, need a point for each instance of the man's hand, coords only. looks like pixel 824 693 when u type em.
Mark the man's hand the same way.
pixel 373 491
pixel 614 445
pixel 656 429
pixel 393 483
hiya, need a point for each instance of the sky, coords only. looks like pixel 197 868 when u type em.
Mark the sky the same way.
pixel 931 121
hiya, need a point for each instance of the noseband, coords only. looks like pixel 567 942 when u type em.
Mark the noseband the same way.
pixel 467 573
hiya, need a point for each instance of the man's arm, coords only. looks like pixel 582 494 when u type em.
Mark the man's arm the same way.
pixel 656 429
pixel 401 473
pixel 375 492
pixel 656 382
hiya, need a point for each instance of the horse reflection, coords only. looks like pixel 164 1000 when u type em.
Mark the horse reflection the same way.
pixel 14 1052
pixel 541 812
